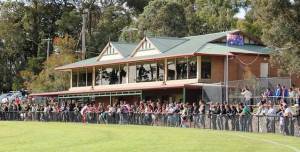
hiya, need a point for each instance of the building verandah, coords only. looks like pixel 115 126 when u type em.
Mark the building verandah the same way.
pixel 165 64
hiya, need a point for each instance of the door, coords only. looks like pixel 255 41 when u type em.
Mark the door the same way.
pixel 264 70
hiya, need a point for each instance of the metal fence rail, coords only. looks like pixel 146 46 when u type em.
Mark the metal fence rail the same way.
pixel 246 123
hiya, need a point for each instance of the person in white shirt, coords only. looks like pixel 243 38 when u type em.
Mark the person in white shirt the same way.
pixel 288 122
pixel 170 110
pixel 261 113
pixel 247 95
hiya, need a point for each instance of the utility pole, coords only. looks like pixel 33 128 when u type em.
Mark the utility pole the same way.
pixel 48 47
pixel 83 47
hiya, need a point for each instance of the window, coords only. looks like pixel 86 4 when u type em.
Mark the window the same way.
pixel 192 74
pixel 146 72
pixel 206 67
pixel 181 68
pixel 89 77
pixel 74 78
pixel 82 78
pixel 123 73
pixel 110 75
pixel 110 51
pixel 171 69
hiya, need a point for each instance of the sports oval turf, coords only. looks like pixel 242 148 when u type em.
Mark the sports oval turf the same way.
pixel 61 137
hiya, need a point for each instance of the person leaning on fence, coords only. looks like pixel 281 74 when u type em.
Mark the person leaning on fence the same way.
pixel 261 115
pixel 184 116
pixel 232 117
pixel 221 116
pixel 245 118
pixel 202 113
pixel 288 123
pixel 195 114
pixel 213 112
pixel 280 113
pixel 271 115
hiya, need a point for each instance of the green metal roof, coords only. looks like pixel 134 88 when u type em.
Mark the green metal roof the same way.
pixel 124 48
pixel 172 46
pixel 79 63
pixel 246 49
pixel 165 43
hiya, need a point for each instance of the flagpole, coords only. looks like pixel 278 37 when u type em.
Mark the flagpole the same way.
pixel 226 80
pixel 226 73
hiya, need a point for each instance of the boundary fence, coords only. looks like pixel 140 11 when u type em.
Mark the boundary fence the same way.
pixel 245 123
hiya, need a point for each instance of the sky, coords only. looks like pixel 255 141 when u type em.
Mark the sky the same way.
pixel 241 14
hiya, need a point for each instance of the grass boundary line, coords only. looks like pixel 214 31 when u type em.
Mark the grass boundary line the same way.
pixel 295 149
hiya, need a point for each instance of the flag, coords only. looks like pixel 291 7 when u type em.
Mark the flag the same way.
pixel 235 39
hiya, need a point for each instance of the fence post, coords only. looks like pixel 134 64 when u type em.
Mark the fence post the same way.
pixel 257 123
pixel 274 126
pixel 291 126
pixel 209 121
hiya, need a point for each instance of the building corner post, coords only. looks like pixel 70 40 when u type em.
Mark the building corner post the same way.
pixel 71 78
pixel 198 68
pixel 94 77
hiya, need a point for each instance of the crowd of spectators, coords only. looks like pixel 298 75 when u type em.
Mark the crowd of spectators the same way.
pixel 214 115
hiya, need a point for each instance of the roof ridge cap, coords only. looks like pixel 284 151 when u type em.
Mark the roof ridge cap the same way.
pixel 121 42
pixel 166 37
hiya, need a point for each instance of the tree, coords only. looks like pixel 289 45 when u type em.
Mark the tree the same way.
pixel 281 28
pixel 163 18
pixel 112 20
pixel 13 47
pixel 50 79
pixel 195 24
pixel 69 23
pixel 217 15
pixel 250 24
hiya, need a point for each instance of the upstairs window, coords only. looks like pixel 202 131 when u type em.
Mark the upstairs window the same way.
pixel 206 67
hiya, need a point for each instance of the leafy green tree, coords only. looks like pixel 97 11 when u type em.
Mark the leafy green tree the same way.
pixel 50 79
pixel 69 23
pixel 109 27
pixel 13 46
pixel 217 15
pixel 250 24
pixel 280 31
pixel 163 18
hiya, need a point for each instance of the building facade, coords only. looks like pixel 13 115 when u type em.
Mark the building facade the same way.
pixel 166 68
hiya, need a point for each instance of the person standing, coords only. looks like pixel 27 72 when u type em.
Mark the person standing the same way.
pixel 202 113
pixel 247 96
pixel 278 92
pixel 288 122
pixel 271 113
pixel 83 113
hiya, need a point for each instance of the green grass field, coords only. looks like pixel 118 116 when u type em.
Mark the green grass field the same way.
pixel 59 137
